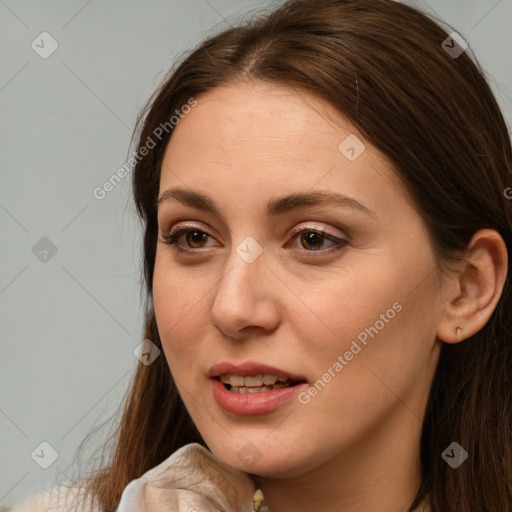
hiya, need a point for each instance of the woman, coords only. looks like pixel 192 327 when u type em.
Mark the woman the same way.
pixel 326 245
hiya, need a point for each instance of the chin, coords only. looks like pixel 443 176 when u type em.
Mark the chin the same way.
pixel 278 470
pixel 270 465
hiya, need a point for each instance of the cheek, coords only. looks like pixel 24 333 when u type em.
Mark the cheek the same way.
pixel 340 307
pixel 374 318
pixel 179 311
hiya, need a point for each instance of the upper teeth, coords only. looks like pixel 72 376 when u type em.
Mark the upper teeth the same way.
pixel 251 380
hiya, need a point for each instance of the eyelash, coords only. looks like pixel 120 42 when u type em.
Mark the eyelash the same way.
pixel 172 237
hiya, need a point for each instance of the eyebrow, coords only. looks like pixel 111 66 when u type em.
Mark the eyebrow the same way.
pixel 276 206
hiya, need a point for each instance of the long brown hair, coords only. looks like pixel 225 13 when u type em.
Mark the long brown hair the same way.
pixel 383 66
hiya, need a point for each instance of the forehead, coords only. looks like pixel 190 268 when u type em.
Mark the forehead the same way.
pixel 261 139
pixel 262 115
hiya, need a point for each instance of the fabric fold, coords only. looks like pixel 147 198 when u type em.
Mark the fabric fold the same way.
pixel 192 479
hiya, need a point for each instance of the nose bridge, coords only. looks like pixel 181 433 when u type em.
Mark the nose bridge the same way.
pixel 245 267
pixel 244 295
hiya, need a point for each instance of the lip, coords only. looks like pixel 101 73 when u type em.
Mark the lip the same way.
pixel 253 403
pixel 250 368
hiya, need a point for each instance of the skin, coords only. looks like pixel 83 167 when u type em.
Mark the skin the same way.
pixel 298 306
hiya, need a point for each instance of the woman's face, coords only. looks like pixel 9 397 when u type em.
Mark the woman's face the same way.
pixel 350 304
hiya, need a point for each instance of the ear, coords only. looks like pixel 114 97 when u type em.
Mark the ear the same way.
pixel 475 290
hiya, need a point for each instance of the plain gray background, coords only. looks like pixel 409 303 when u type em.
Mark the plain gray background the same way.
pixel 70 321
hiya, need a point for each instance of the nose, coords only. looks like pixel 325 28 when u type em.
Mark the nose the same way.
pixel 245 300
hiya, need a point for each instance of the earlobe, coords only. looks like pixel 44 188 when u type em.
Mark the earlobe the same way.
pixel 478 286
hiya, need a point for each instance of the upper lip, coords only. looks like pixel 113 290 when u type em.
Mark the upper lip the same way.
pixel 250 368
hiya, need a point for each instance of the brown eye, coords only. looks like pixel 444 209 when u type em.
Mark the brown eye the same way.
pixel 195 236
pixel 312 238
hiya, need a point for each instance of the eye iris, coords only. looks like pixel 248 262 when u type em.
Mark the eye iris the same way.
pixel 193 237
pixel 312 238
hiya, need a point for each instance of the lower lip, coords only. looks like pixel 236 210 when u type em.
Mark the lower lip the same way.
pixel 253 403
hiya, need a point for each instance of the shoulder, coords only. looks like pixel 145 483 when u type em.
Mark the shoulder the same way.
pixel 57 499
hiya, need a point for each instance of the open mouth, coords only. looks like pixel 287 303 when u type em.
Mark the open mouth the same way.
pixel 254 386
pixel 264 388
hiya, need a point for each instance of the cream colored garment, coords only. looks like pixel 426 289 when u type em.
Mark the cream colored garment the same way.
pixel 191 480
